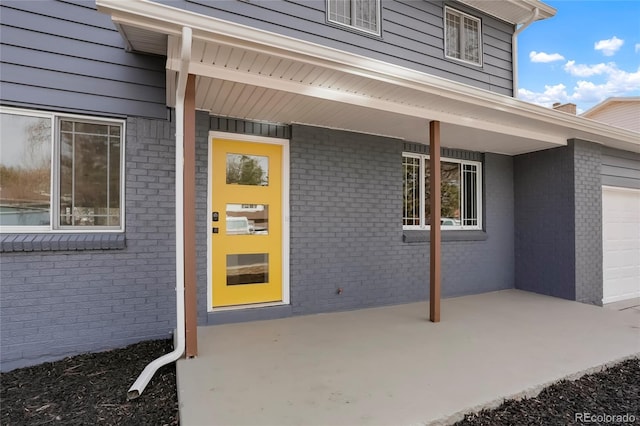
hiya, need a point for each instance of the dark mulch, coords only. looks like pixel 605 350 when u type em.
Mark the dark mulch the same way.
pixel 91 389
pixel 611 392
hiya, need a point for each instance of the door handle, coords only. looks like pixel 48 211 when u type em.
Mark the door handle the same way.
pixel 215 230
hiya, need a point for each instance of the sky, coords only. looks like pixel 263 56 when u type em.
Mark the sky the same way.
pixel 589 51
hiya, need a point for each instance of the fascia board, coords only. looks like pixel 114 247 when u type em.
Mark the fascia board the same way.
pixel 170 20
pixel 546 11
pixel 528 6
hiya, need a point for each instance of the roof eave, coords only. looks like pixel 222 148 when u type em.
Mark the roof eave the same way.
pixel 168 20
pixel 498 9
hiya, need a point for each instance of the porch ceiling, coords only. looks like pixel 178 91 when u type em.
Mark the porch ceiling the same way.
pixel 253 102
pixel 251 74
pixel 238 82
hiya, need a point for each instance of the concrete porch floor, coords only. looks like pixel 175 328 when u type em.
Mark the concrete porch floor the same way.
pixel 390 366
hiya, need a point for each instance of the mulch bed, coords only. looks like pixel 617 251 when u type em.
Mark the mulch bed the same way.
pixel 589 400
pixel 91 389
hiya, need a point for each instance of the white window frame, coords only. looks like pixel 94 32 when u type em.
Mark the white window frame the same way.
pixel 462 16
pixel 378 30
pixel 54 210
pixel 424 159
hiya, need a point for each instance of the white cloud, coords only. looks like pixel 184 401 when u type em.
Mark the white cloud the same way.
pixel 582 70
pixel 637 47
pixel 606 80
pixel 609 47
pixel 545 57
pixel 551 94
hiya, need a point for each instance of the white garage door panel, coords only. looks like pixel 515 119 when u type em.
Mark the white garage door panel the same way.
pixel 621 243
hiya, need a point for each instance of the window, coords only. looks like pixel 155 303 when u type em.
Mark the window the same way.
pixel 361 14
pixel 60 172
pixel 463 39
pixel 460 193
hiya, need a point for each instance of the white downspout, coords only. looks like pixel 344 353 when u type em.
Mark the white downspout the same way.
pixel 143 380
pixel 514 48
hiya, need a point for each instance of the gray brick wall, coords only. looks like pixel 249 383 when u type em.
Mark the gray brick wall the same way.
pixel 544 222
pixel 54 304
pixel 346 231
pixel 202 209
pixel 587 158
pixel 558 214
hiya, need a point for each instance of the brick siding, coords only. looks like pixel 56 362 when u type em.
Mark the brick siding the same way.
pixel 59 303
pixel 346 229
pixel 346 232
pixel 544 217
pixel 559 222
pixel 587 159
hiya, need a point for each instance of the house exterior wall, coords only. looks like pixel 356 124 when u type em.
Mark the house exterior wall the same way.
pixel 587 162
pixel 558 215
pixel 544 222
pixel 65 56
pixel 346 230
pixel 62 294
pixel 412 35
pixel 59 303
pixel 620 168
pixel 69 294
pixel 542 227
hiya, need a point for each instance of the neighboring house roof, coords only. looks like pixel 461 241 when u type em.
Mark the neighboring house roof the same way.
pixel 248 73
pixel 623 112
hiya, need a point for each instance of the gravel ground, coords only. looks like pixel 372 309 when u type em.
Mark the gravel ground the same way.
pixel 91 390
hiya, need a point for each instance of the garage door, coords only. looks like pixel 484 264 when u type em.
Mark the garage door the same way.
pixel 621 243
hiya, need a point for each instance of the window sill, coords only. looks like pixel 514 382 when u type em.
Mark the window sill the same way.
pixel 355 30
pixel 459 61
pixel 61 242
pixel 420 236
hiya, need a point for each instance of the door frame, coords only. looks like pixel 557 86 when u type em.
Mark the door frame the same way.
pixel 285 216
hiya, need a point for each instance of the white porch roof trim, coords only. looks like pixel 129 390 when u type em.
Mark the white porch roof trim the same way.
pixel 244 72
pixel 512 11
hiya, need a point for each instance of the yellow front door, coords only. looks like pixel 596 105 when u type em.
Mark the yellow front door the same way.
pixel 246 223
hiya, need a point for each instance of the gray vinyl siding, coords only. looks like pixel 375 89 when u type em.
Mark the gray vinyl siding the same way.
pixel 620 168
pixel 412 35
pixel 67 56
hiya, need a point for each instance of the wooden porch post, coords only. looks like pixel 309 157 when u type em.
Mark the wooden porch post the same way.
pixel 435 236
pixel 190 285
